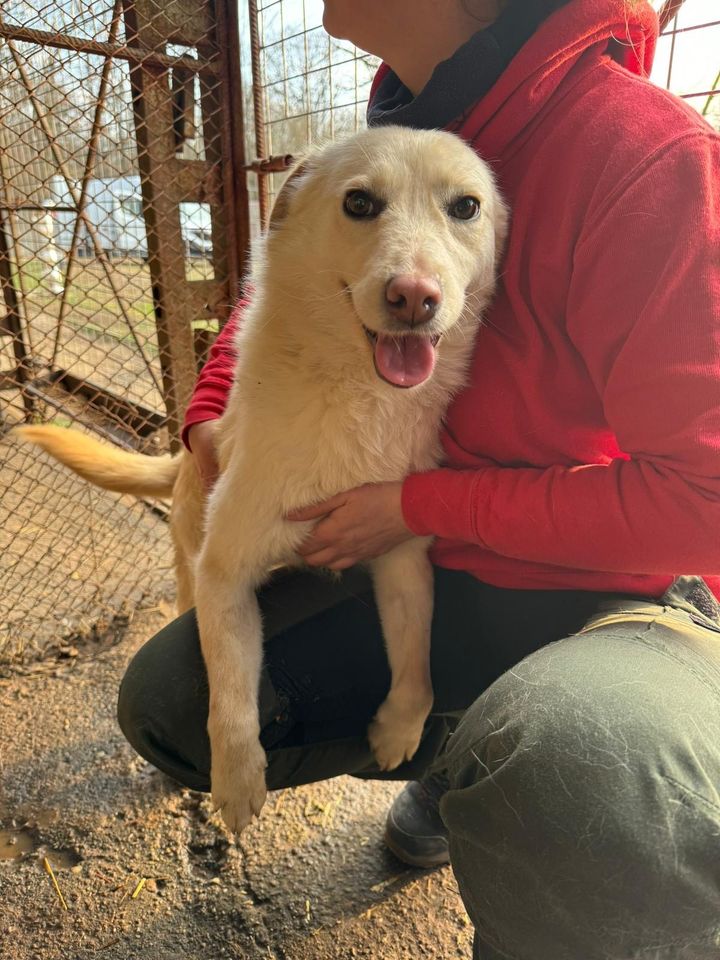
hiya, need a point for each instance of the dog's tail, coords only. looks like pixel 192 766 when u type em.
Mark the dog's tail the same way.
pixel 104 465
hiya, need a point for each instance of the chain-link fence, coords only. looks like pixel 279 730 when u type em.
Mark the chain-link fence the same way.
pixel 687 61
pixel 123 226
pixel 125 219
pixel 307 87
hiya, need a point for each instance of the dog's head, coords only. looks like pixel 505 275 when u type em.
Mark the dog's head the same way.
pixel 392 239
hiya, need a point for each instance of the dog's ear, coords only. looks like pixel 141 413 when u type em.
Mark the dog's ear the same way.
pixel 282 200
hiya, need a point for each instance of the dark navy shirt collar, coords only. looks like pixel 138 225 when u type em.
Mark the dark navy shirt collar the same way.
pixel 456 84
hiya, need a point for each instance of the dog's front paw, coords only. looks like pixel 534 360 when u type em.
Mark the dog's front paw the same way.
pixel 238 783
pixel 394 735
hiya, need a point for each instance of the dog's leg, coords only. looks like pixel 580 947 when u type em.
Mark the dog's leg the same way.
pixel 229 568
pixel 404 592
pixel 184 583
pixel 186 530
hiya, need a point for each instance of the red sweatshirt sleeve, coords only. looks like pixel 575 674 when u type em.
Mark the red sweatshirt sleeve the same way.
pixel 212 388
pixel 644 313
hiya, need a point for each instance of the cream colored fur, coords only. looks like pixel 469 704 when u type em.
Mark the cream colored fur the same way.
pixel 308 417
pixel 103 465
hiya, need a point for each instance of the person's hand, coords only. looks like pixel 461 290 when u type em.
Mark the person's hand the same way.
pixel 201 437
pixel 356 525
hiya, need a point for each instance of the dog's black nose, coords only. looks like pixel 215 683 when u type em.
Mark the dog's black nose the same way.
pixel 411 299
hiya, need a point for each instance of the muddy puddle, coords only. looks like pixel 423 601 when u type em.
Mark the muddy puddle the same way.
pixel 15 844
pixel 22 842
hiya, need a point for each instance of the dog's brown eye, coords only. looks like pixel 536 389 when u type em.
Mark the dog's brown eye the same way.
pixel 464 208
pixel 359 203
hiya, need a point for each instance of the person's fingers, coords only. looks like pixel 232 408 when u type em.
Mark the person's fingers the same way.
pixel 207 466
pixel 208 479
pixel 202 444
pixel 322 558
pixel 343 564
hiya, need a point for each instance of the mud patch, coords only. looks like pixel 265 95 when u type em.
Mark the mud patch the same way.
pixel 62 859
pixel 15 844
pixel 25 838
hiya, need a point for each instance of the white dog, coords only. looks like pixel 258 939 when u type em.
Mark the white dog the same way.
pixel 380 259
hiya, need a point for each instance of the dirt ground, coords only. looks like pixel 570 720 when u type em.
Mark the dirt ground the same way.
pixel 309 881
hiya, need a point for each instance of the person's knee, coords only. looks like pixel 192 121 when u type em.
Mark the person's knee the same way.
pixel 162 700
pixel 609 705
pixel 126 712
pixel 135 697
pixel 583 786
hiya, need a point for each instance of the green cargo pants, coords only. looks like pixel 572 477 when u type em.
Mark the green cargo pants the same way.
pixel 580 734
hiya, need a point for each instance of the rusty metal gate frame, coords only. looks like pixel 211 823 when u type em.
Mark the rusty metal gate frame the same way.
pixel 162 100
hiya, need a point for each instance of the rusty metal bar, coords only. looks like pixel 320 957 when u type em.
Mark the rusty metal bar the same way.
pixel 38 393
pixel 22 344
pixel 166 254
pixel 118 51
pixel 214 297
pixel 669 9
pixel 276 164
pixel 36 208
pixel 700 93
pixel 125 412
pixel 258 107
pixel 694 26
pixel 234 219
pixel 13 229
pixel 12 323
pixel 157 161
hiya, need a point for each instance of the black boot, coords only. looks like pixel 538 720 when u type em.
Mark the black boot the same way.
pixel 414 831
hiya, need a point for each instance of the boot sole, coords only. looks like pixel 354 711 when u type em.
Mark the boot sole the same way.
pixel 425 863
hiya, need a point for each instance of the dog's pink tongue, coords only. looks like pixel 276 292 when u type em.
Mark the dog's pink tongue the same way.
pixel 404 361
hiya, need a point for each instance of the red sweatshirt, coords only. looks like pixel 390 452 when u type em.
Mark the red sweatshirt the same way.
pixel 585 454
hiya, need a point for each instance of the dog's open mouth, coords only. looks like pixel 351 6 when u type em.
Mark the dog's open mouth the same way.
pixel 403 361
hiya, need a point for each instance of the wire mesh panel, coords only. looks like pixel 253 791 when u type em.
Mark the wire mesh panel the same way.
pixel 123 227
pixel 315 87
pixel 688 54
pixel 308 86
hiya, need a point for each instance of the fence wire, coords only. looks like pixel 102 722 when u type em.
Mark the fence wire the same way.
pixel 122 233
pixel 309 87
pixel 125 219
pixel 687 60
